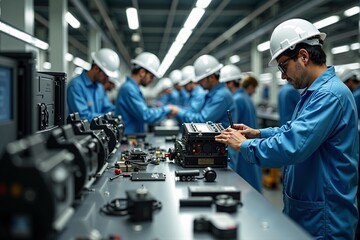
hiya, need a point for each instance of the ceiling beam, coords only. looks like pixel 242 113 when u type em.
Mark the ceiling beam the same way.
pixel 108 22
pixel 168 27
pixel 297 10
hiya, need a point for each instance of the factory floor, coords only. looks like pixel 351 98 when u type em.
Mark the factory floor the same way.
pixel 274 195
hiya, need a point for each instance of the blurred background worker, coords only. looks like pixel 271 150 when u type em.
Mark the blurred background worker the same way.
pixel 111 87
pixel 288 97
pixel 165 90
pixel 196 92
pixel 85 93
pixel 232 77
pixel 130 103
pixel 175 77
pixel 351 80
pixel 217 101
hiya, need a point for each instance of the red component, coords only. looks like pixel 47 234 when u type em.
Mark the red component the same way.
pixel 117 171
pixel 2 189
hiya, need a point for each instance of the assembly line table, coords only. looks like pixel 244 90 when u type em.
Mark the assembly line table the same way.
pixel 257 218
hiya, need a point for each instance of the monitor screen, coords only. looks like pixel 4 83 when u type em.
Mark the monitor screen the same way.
pixel 6 100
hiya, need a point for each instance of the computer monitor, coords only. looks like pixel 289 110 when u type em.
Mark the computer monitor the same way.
pixel 8 101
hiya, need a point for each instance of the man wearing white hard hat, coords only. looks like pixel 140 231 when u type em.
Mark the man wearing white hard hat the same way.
pixel 85 93
pixel 130 103
pixel 232 76
pixel 349 77
pixel 218 99
pixel 183 95
pixel 319 148
pixel 196 92
pixel 164 88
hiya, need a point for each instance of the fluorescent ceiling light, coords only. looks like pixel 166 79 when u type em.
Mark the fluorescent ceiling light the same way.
pixel 135 37
pixel 347 66
pixel 194 18
pixel 138 50
pixel 69 57
pixel 326 22
pixel 175 48
pixel 355 46
pixel 132 18
pixel 340 49
pixel 47 65
pixel 234 59
pixel 352 11
pixel 203 3
pixel 81 63
pixel 263 46
pixel 25 37
pixel 183 35
pixel 165 64
pixel 70 19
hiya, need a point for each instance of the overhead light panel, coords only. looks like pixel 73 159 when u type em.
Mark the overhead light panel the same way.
pixel 135 37
pixel 47 65
pixel 25 37
pixel 81 63
pixel 234 59
pixel 326 22
pixel 355 46
pixel 340 49
pixel 263 46
pixel 71 20
pixel 352 11
pixel 183 35
pixel 69 57
pixel 203 3
pixel 132 18
pixel 194 18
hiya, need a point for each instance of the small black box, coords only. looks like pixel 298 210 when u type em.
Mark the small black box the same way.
pixel 140 204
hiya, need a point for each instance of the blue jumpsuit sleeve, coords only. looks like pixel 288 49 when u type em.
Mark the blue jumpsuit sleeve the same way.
pixel 77 102
pixel 210 112
pixel 108 106
pixel 137 107
pixel 296 141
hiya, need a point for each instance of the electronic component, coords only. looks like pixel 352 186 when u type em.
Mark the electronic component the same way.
pixel 187 175
pixel 209 174
pixel 230 118
pixel 213 191
pixel 198 148
pixel 205 201
pixel 140 205
pixel 220 225
pixel 225 203
pixel 37 189
pixel 143 176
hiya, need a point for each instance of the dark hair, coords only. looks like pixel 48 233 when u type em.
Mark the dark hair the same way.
pixel 249 80
pixel 136 69
pixel 316 53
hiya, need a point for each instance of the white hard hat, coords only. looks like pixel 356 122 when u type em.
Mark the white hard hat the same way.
pixel 346 74
pixel 230 72
pixel 115 81
pixel 206 65
pixel 175 76
pixel 164 84
pixel 291 32
pixel 148 61
pixel 108 61
pixel 188 75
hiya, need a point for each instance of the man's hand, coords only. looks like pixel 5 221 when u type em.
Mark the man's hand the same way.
pixel 231 137
pixel 248 132
pixel 173 110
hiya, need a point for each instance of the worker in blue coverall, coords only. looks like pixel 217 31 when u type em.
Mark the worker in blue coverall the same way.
pixel 288 97
pixel 85 93
pixel 217 101
pixel 175 77
pixel 231 75
pixel 319 147
pixel 196 92
pixel 130 103
pixel 350 79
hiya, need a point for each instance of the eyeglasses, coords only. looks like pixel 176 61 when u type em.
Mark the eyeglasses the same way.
pixel 282 66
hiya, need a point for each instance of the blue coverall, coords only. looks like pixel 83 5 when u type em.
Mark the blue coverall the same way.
pixel 217 101
pixel 246 114
pixel 319 150
pixel 288 97
pixel 87 98
pixel 131 105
